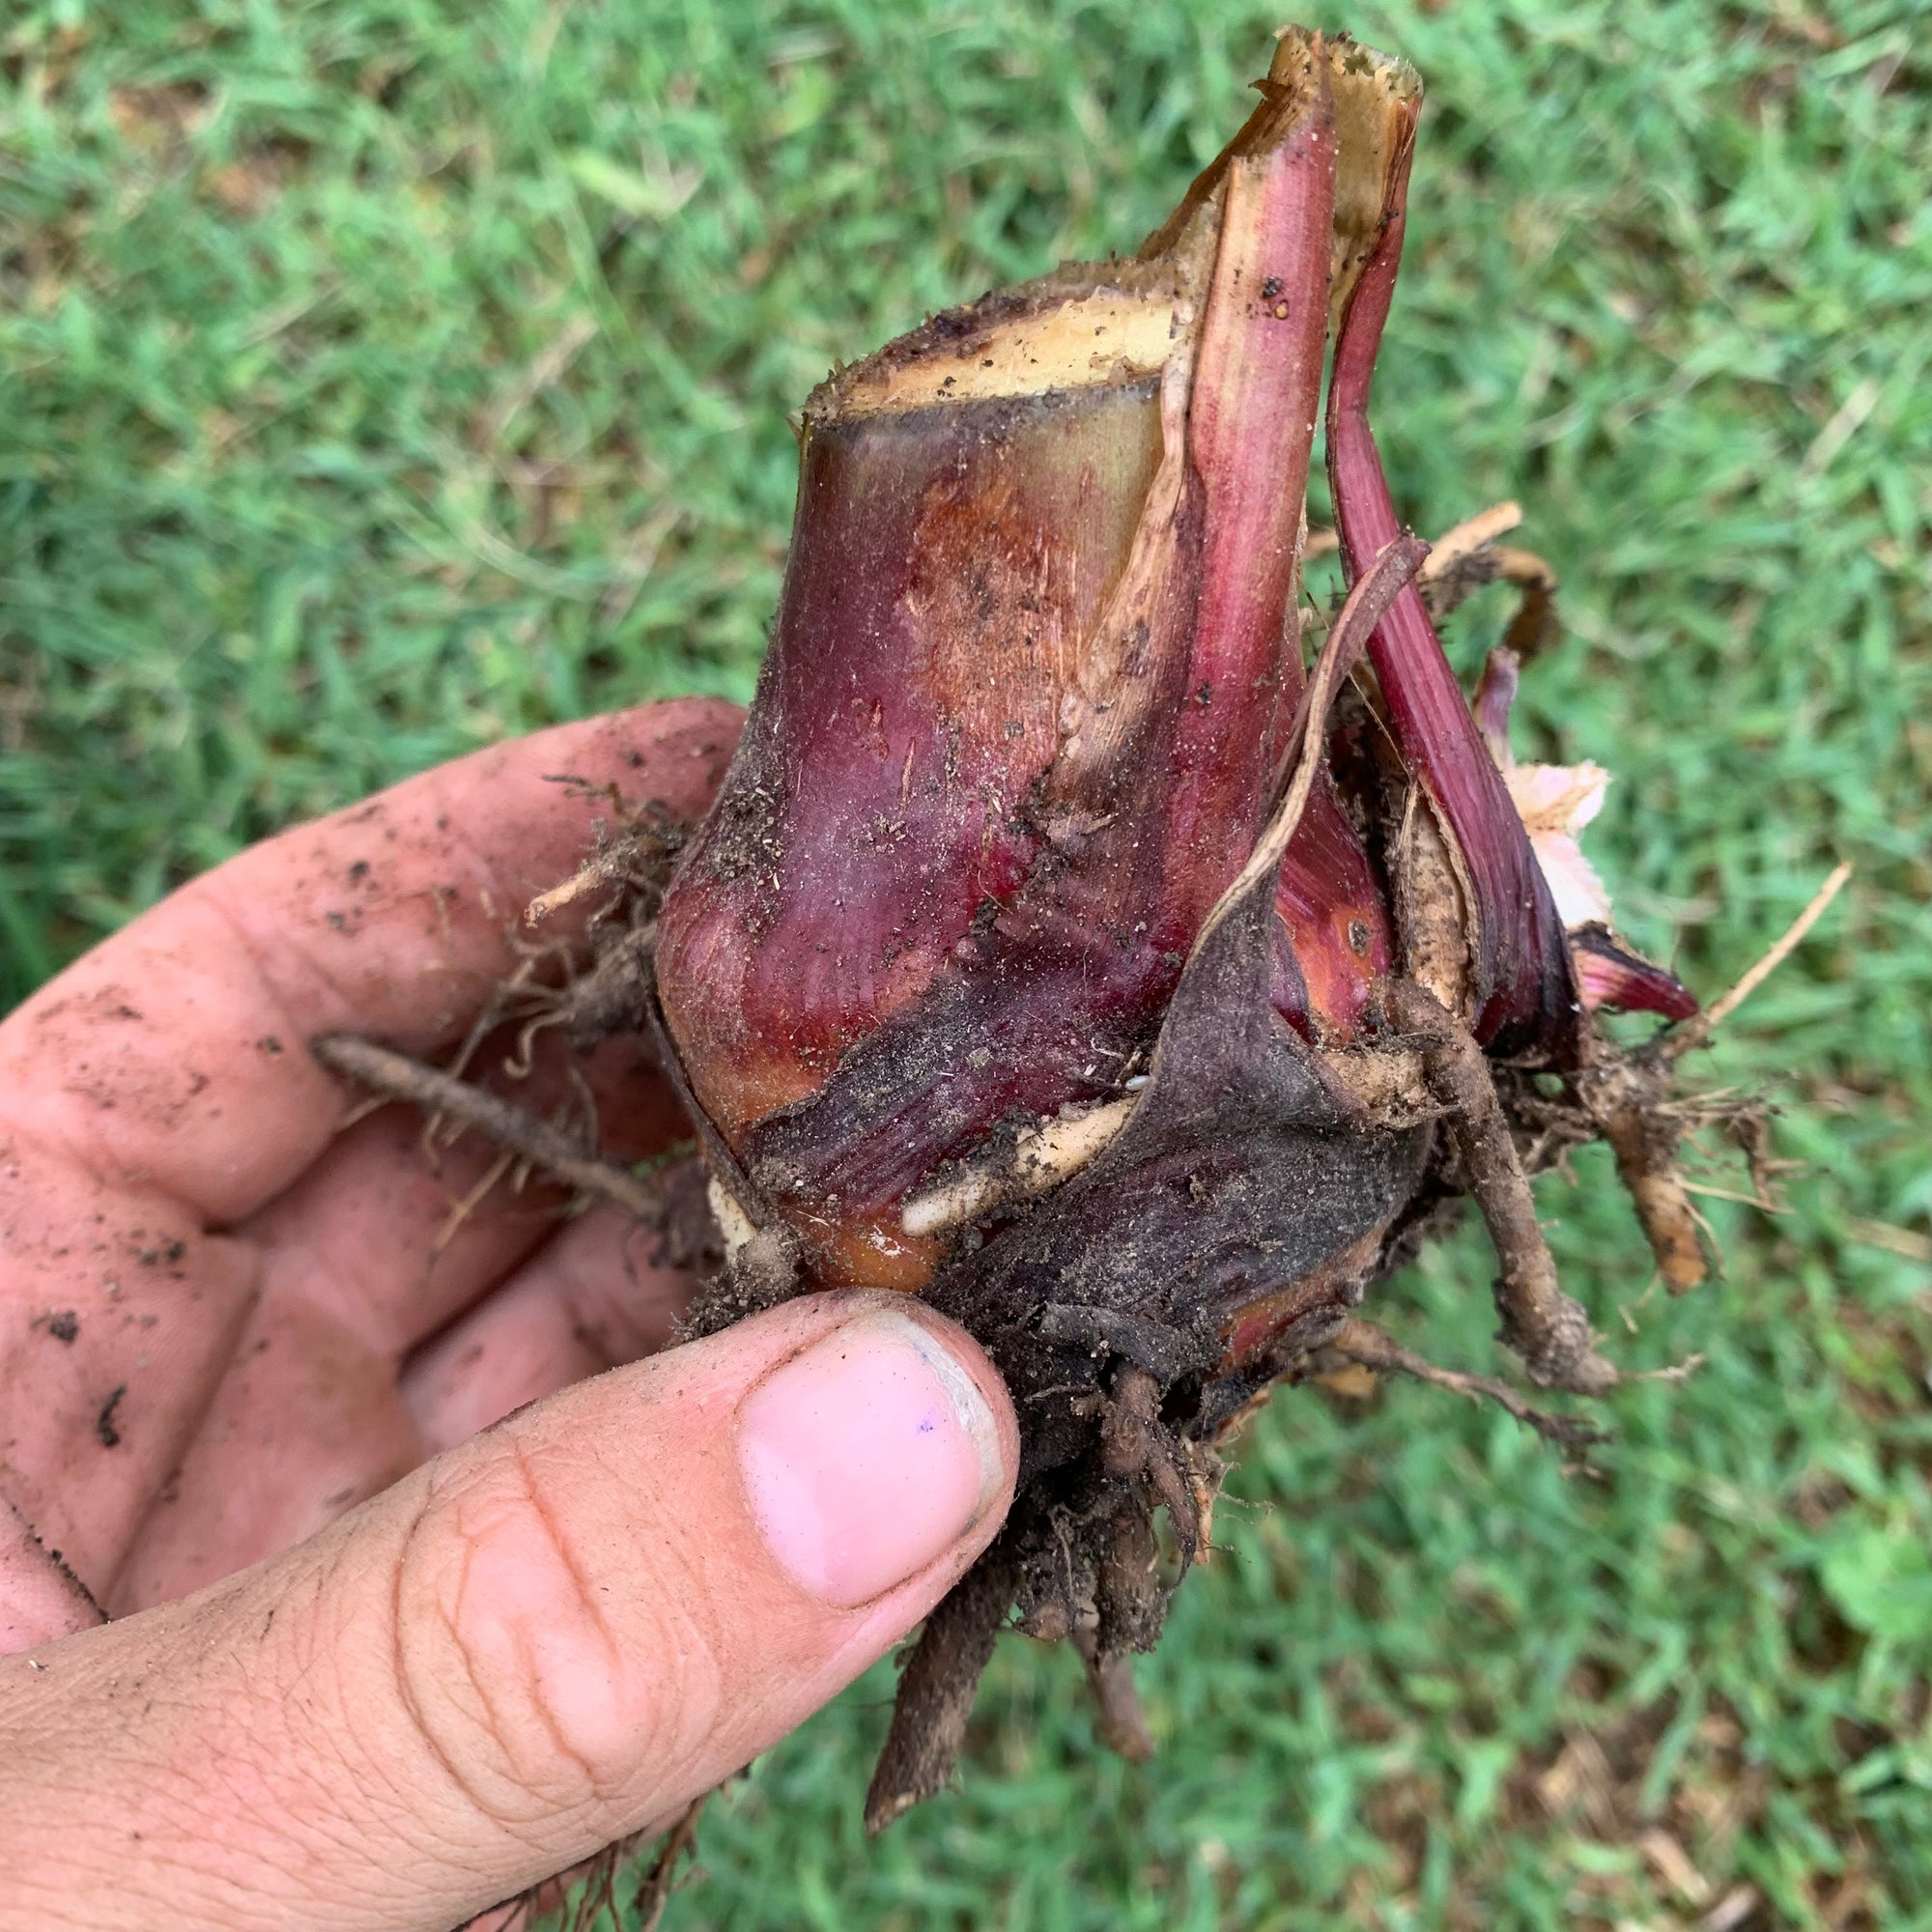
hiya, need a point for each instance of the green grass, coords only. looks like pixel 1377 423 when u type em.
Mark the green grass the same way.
pixel 377 379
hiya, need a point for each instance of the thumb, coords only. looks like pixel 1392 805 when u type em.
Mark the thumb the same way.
pixel 553 1636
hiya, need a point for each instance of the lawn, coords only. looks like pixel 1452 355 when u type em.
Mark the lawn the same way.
pixel 377 379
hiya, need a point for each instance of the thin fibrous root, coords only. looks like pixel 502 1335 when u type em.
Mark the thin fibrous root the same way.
pixel 1544 1325
pixel 1626 1095
pixel 1623 1095
pixel 1696 1032
pixel 1462 558
pixel 1536 584
pixel 1373 1348
pixel 1751 1133
pixel 610 998
pixel 635 857
pixel 607 869
pixel 398 1077
pixel 1671 1372
pixel 596 1885
pixel 654 1889
pixel 1465 558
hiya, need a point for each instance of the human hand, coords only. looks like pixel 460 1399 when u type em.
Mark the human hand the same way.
pixel 348 1685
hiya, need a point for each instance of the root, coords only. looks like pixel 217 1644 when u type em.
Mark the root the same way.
pixel 599 1877
pixel 1465 558
pixel 936 1690
pixel 1750 1130
pixel 452 1225
pixel 1092 1572
pixel 1129 1598
pixel 654 1889
pixel 1696 1032
pixel 1542 1323
pixel 1119 1722
pixel 395 1076
pixel 1627 1100
pixel 637 861
pixel 1373 1348
pixel 1137 1447
pixel 1535 619
pixel 765 1271
pixel 1628 1097
pixel 610 998
pixel 1127 1437
pixel 1039 1160
pixel 605 870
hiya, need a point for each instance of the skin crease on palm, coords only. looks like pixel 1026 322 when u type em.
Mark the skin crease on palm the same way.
pixel 236 1325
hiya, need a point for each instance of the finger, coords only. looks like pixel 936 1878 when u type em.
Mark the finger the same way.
pixel 143 1354
pixel 553 1636
pixel 598 1296
pixel 311 1420
pixel 118 1317
pixel 306 1423
pixel 41 1598
pixel 176 1051
pixel 377 1246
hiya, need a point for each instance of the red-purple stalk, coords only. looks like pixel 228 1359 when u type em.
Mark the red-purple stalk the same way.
pixel 1522 993
pixel 1018 728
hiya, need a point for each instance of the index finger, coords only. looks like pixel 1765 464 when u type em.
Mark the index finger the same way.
pixel 174 1057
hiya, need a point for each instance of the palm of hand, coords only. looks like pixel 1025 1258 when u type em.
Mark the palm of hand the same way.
pixel 230 1308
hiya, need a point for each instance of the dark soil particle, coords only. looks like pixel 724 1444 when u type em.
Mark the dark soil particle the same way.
pixel 105 1428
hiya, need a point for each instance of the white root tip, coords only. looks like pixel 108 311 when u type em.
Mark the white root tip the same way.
pixel 1050 1153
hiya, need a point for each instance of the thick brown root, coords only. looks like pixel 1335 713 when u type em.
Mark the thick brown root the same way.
pixel 937 1686
pixel 1119 1722
pixel 1629 1098
pixel 1543 1324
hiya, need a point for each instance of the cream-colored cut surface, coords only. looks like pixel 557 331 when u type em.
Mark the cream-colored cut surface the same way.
pixel 1374 93
pixel 1107 336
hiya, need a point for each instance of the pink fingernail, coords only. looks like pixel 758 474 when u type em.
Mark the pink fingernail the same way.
pixel 866 1456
